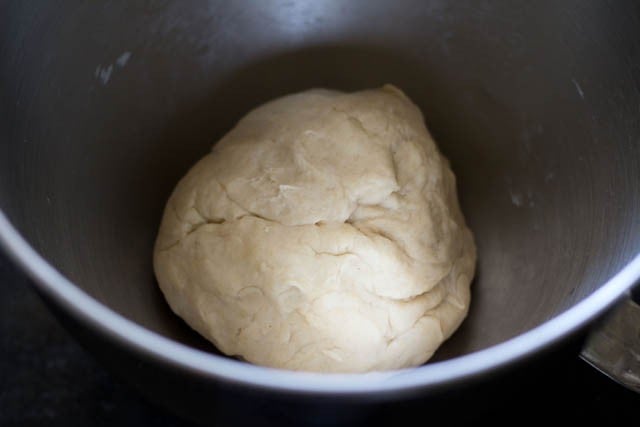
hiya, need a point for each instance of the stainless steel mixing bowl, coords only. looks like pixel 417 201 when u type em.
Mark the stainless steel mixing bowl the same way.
pixel 105 105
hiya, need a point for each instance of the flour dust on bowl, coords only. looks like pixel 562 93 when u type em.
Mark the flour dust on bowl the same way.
pixel 540 128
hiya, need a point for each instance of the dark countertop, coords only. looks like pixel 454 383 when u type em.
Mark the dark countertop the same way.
pixel 47 379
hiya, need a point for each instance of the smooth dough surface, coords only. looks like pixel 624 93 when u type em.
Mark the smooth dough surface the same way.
pixel 322 233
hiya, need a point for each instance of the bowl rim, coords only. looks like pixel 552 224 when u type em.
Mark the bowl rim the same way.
pixel 114 326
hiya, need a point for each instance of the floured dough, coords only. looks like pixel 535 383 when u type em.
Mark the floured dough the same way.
pixel 322 233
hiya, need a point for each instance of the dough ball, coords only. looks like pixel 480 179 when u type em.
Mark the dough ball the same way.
pixel 322 233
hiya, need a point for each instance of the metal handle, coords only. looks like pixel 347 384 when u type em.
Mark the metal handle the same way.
pixel 613 347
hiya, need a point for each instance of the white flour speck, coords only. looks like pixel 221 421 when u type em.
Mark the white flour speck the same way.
pixel 104 73
pixel 516 199
pixel 123 59
pixel 578 88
